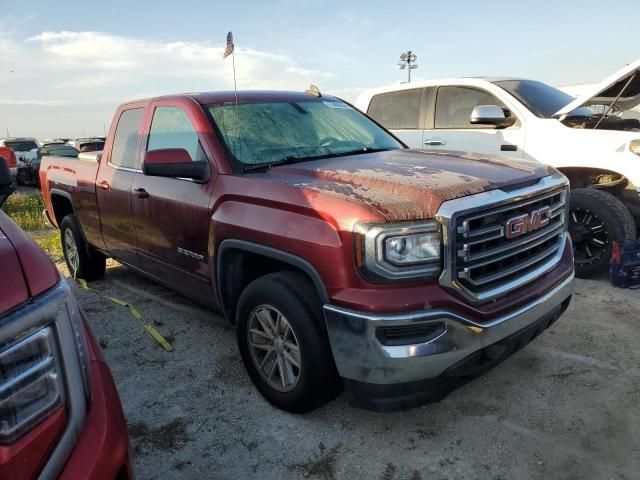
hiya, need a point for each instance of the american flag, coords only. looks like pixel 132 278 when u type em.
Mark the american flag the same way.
pixel 229 50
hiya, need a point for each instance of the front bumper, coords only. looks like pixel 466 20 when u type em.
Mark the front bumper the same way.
pixel 102 449
pixel 387 377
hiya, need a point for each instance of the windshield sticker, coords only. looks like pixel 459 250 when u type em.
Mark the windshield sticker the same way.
pixel 337 105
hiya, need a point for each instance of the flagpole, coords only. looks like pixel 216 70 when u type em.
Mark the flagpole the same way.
pixel 230 50
pixel 235 92
pixel 235 85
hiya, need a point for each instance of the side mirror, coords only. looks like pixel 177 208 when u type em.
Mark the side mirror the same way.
pixel 6 182
pixel 490 115
pixel 173 162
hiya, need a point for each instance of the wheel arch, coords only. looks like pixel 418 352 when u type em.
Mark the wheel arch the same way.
pixel 239 262
pixel 61 203
pixel 585 177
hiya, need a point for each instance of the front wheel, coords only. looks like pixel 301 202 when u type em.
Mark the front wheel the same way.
pixel 82 260
pixel 596 219
pixel 283 346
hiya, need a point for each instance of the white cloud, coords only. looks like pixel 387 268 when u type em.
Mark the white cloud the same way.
pixel 38 103
pixel 62 70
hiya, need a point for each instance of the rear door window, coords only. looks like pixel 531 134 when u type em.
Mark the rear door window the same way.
pixel 171 128
pixel 397 110
pixel 125 141
pixel 455 104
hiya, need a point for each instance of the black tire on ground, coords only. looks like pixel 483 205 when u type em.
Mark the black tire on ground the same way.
pixel 596 219
pixel 294 296
pixel 90 264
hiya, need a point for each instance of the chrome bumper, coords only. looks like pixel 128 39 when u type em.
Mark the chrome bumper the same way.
pixel 360 356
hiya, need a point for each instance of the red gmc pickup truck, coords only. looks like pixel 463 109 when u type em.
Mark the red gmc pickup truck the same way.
pixel 342 257
pixel 60 415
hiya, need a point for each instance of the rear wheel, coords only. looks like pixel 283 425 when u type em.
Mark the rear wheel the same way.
pixel 283 346
pixel 82 260
pixel 596 219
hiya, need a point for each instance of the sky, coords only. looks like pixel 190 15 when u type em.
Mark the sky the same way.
pixel 65 65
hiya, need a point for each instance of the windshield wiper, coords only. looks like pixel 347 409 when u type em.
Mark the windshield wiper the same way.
pixel 293 159
pixel 257 166
pixel 359 151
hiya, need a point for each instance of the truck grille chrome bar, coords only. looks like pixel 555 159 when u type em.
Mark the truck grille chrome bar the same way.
pixel 498 241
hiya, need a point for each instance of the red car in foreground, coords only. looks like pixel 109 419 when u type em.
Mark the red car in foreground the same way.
pixel 60 414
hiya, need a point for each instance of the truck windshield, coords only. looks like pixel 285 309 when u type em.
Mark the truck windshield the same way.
pixel 273 132
pixel 542 99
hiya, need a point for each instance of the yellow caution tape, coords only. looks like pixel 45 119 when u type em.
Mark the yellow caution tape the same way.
pixel 151 330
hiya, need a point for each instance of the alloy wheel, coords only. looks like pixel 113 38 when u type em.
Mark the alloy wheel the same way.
pixel 589 234
pixel 71 249
pixel 274 348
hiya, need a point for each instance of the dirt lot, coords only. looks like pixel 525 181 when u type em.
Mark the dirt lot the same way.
pixel 567 406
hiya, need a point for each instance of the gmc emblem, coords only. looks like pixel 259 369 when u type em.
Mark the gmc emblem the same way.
pixel 522 224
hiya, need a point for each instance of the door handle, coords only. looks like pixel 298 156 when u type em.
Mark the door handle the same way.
pixel 434 141
pixel 104 185
pixel 141 193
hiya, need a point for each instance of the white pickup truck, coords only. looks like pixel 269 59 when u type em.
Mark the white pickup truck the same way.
pixel 598 152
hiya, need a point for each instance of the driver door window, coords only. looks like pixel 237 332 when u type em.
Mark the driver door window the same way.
pixel 455 104
pixel 453 130
pixel 171 128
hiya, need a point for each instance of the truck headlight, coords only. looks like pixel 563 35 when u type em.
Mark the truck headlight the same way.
pixel 399 251
pixel 634 146
pixel 44 362
pixel 31 384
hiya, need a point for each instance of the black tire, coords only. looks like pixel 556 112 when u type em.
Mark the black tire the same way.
pixel 90 263
pixel 592 248
pixel 294 296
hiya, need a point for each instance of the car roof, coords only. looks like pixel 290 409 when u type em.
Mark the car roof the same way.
pixel 18 139
pixel 229 96
pixel 365 96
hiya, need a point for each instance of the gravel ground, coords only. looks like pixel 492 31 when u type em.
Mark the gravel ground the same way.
pixel 565 407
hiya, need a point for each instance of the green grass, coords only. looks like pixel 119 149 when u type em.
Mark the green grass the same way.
pixel 49 241
pixel 26 211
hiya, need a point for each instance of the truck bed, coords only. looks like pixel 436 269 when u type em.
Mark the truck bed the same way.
pixel 72 180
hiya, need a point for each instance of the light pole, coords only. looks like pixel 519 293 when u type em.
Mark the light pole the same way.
pixel 407 60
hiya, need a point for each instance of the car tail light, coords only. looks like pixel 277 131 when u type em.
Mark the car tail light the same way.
pixel 30 384
pixel 8 156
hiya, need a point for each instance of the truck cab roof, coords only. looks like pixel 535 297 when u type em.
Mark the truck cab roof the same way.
pixel 229 96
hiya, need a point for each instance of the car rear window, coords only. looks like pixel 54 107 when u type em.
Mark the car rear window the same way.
pixel 65 151
pixel 21 146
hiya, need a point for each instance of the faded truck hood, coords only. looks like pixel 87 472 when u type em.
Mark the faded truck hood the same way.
pixel 407 184
pixel 25 270
pixel 606 91
pixel 13 289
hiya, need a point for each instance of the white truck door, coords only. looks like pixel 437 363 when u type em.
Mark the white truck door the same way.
pixel 401 112
pixel 452 129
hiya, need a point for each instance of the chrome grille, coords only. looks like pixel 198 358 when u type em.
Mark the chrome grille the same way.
pixel 486 258
pixel 482 262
